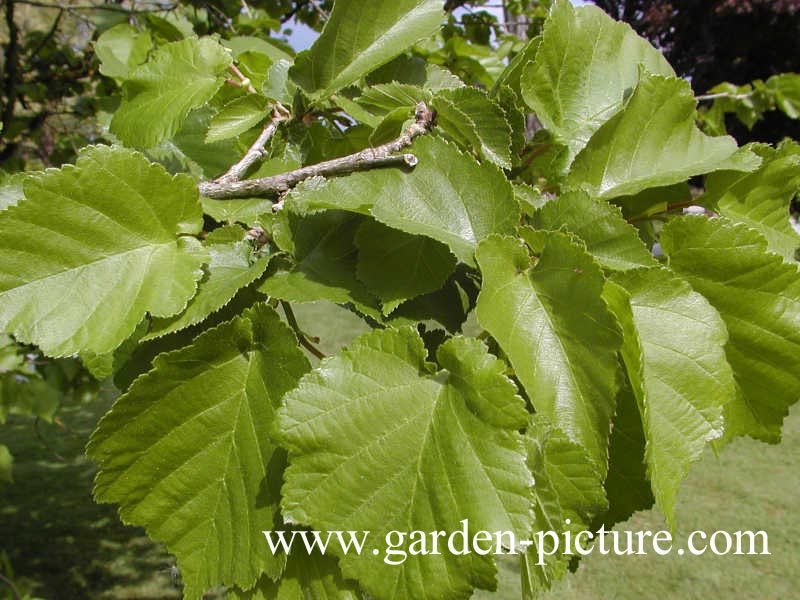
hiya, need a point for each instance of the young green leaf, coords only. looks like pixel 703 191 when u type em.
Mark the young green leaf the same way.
pixel 584 67
pixel 356 41
pixel 380 441
pixel 121 49
pixel 758 296
pixel 95 247
pixel 548 316
pixel 475 121
pixel 608 237
pixel 187 453
pixel 761 199
pixel 236 117
pixel 786 89
pixel 159 94
pixel 232 266
pixel 653 142
pixel 386 97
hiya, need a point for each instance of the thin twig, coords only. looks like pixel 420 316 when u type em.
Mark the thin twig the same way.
pixel 10 81
pixel 49 35
pixel 243 81
pixel 106 7
pixel 324 15
pixel 13 587
pixel 256 151
pixel 369 158
pixel 301 337
pixel 705 97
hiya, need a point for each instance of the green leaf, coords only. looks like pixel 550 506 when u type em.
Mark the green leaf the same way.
pixel 448 196
pixel 530 199
pixel 550 320
pixel 135 357
pixel 627 486
pixel 29 396
pixel 584 68
pixel 608 237
pixel 761 199
pixel 386 97
pixel 786 89
pixel 103 366
pixel 674 352
pixel 187 454
pixel 356 41
pixel 254 66
pixel 476 121
pixel 379 440
pixel 6 464
pixel 239 44
pixel 511 77
pixel 277 85
pixel 315 576
pixel 236 117
pixel 758 296
pixel 568 493
pixel 323 263
pixel 247 210
pixel 449 306
pixel 233 265
pixel 653 142
pixel 653 201
pixel 159 94
pixel 396 266
pixel 391 126
pixel 95 247
pixel 188 146
pixel 121 49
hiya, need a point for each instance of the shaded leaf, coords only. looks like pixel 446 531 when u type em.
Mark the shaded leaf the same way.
pixel 396 266
pixel 567 494
pixel 233 265
pixel 323 260
pixel 448 196
pixel 315 576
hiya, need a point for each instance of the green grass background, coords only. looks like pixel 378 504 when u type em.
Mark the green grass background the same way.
pixel 65 547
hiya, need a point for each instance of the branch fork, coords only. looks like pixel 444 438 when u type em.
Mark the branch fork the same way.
pixel 232 185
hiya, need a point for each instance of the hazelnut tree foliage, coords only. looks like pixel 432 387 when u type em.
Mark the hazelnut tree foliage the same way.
pixel 218 178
